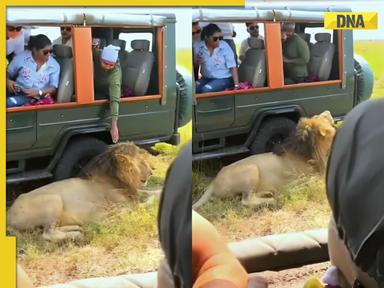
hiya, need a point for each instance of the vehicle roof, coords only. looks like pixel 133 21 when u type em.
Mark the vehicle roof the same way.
pixel 266 12
pixel 89 16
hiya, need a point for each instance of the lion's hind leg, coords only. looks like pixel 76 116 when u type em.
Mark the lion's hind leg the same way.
pixel 31 211
pixel 259 200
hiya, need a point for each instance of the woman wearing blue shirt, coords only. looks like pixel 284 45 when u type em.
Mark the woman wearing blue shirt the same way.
pixel 33 73
pixel 217 62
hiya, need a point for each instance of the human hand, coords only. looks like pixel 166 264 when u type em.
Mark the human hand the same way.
pixel 286 60
pixel 114 132
pixel 198 60
pixel 30 92
pixel 11 86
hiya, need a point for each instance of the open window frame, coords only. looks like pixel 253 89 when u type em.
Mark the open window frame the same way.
pixel 83 69
pixel 274 63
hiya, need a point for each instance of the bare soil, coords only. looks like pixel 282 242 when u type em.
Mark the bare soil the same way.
pixel 294 278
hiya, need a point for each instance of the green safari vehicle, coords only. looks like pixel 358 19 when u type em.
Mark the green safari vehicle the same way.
pixel 57 140
pixel 254 120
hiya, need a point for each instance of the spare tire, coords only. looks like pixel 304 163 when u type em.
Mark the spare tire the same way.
pixel 184 101
pixel 273 131
pixel 363 78
pixel 76 156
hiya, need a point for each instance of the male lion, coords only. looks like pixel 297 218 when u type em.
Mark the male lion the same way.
pixel 258 177
pixel 60 208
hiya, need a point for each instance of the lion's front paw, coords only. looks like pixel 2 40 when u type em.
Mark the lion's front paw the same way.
pixel 258 202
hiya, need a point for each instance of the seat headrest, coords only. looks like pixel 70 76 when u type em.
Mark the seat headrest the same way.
pixel 140 45
pixel 305 36
pixel 119 43
pixel 323 37
pixel 62 51
pixel 255 43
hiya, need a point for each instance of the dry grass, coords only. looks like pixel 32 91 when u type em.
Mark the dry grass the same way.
pixel 124 242
pixel 301 206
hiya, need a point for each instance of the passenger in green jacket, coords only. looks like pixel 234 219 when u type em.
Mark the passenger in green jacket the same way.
pixel 295 54
pixel 107 80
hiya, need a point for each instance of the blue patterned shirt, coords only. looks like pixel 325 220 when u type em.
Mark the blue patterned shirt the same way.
pixel 23 69
pixel 217 65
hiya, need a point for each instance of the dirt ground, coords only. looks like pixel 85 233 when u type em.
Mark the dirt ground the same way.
pixel 294 278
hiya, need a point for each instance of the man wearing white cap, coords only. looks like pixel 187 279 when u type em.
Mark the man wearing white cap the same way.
pixel 107 80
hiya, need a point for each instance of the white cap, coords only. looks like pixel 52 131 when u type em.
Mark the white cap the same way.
pixel 110 53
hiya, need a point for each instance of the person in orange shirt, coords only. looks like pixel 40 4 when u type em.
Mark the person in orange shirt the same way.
pixel 213 264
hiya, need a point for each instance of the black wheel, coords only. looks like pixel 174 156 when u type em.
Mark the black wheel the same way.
pixel 76 156
pixel 185 101
pixel 273 131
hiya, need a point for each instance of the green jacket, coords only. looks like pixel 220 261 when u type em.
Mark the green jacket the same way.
pixel 296 49
pixel 109 83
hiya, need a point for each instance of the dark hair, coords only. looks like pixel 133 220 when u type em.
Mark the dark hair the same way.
pixel 38 42
pixel 209 30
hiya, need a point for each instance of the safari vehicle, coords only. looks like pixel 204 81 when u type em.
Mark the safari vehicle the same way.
pixel 254 120
pixel 58 139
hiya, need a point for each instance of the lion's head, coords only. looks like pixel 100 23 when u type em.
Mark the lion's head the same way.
pixel 124 165
pixel 312 139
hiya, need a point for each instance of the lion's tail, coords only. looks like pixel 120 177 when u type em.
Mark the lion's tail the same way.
pixel 203 199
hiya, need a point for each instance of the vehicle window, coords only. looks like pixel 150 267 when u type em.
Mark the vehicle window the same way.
pixel 128 37
pixel 314 30
pixel 51 32
pixel 313 58
pixel 55 84
pixel 137 61
pixel 245 41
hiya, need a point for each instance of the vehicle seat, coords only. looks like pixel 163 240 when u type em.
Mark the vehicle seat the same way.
pixel 122 53
pixel 65 91
pixel 252 69
pixel 322 53
pixel 137 67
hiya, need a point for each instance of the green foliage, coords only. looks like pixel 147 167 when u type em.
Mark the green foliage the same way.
pixel 372 52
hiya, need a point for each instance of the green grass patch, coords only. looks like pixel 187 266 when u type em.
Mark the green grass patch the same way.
pixel 123 221
pixel 303 199
pixel 372 51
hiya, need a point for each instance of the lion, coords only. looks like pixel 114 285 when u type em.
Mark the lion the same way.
pixel 61 208
pixel 259 177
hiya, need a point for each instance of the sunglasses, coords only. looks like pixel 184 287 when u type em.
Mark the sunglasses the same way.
pixel 17 29
pixel 46 52
pixel 253 27
pixel 196 32
pixel 215 38
pixel 68 29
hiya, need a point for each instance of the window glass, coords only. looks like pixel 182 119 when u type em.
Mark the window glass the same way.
pixel 128 37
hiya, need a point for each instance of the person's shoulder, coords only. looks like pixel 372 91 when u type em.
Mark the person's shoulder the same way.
pixel 116 72
pixel 298 39
pixel 53 62
pixel 118 68
pixel 22 55
pixel 56 41
pixel 199 44
pixel 224 45
pixel 244 41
